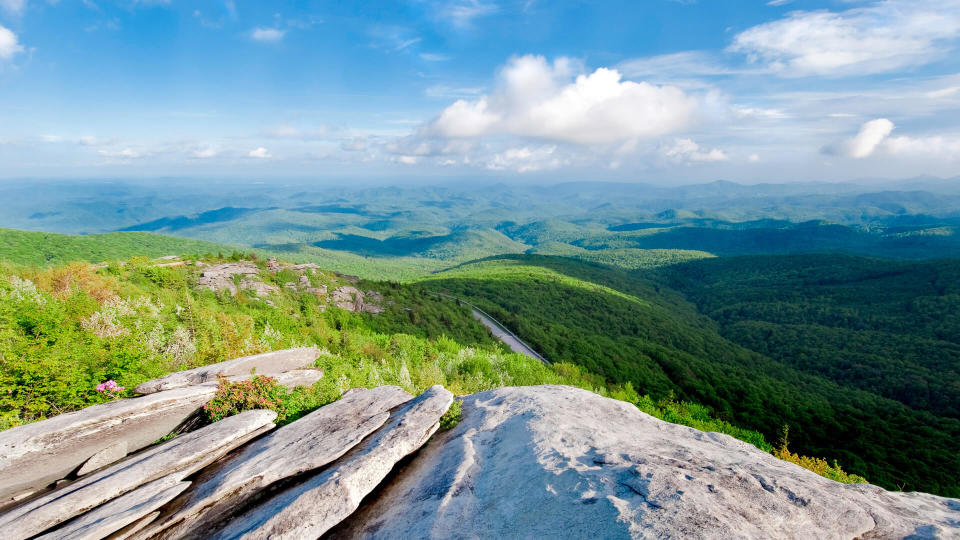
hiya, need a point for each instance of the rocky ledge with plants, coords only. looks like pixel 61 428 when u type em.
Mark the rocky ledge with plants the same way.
pixel 200 455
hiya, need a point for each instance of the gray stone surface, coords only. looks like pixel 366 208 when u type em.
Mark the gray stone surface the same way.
pixel 177 459
pixel 130 530
pixel 110 454
pixel 302 446
pixel 269 363
pixel 120 512
pixel 219 277
pixel 38 454
pixel 560 462
pixel 309 509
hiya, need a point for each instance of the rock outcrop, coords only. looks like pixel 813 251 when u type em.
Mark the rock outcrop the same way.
pixel 36 455
pixel 552 462
pixel 173 461
pixel 220 277
pixel 305 445
pixel 264 364
pixel 531 462
pixel 310 509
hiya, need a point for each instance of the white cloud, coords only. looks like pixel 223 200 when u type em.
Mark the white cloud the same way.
pixel 260 152
pixel 943 92
pixel 537 99
pixel 525 159
pixel 936 146
pixel 407 160
pixel 123 154
pixel 864 143
pixel 8 44
pixel 462 12
pixel 205 152
pixel 434 57
pixel 287 131
pixel 758 112
pixel 267 35
pixel 354 145
pixel 686 150
pixel 13 6
pixel 753 158
pixel 879 38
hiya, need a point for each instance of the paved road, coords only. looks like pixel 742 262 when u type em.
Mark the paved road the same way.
pixel 498 330
pixel 507 337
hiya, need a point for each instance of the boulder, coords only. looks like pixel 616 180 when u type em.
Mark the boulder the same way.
pixel 120 512
pixel 265 364
pixel 347 297
pixel 175 459
pixel 35 455
pixel 300 447
pixel 554 461
pixel 310 508
pixel 220 276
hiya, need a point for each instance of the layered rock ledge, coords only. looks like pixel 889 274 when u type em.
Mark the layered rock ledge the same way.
pixel 531 462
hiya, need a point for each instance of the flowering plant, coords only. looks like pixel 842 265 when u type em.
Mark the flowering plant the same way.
pixel 258 392
pixel 110 388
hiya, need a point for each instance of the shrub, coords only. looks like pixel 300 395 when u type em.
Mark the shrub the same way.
pixel 817 465
pixel 262 392
pixel 452 417
pixel 258 392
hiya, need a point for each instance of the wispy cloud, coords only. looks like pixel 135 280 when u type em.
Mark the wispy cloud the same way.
pixel 14 7
pixel 267 35
pixel 461 13
pixel 434 57
pixel 878 38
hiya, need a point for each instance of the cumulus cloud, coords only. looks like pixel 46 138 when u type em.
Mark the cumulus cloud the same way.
pixel 865 142
pixel 534 98
pixel 260 152
pixel 878 38
pixel 267 35
pixel 9 45
pixel 686 150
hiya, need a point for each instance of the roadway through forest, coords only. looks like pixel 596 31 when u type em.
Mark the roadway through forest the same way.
pixel 500 331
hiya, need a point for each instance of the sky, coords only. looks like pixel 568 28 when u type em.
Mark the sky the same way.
pixel 661 91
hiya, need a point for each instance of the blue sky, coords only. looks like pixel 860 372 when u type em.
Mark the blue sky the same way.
pixel 645 90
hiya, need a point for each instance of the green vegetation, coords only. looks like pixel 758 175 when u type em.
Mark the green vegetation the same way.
pixel 631 328
pixel 259 392
pixel 66 329
pixel 452 417
pixel 40 248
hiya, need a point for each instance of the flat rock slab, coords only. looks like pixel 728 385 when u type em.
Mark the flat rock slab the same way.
pixel 175 459
pixel 270 363
pixel 36 455
pixel 110 454
pixel 302 446
pixel 120 512
pixel 560 462
pixel 309 509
